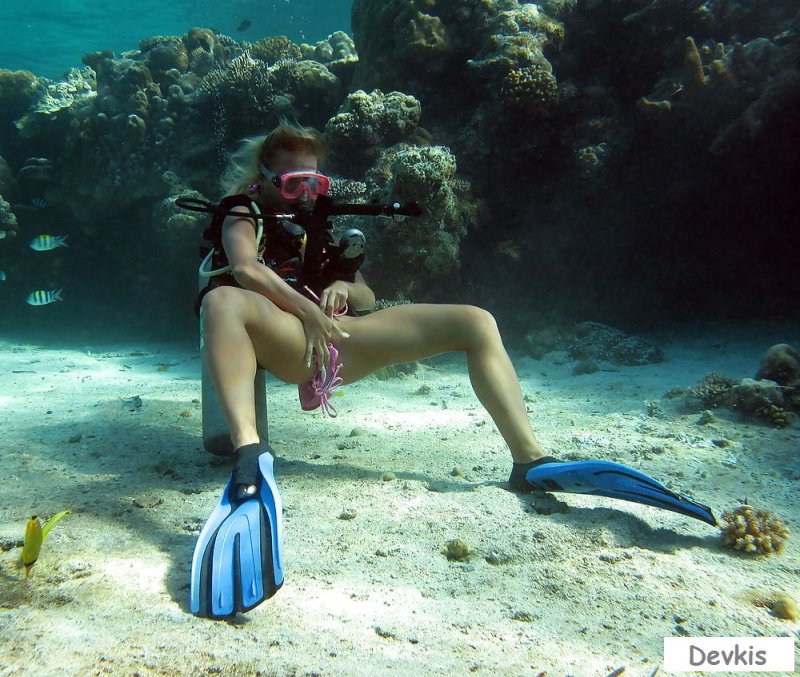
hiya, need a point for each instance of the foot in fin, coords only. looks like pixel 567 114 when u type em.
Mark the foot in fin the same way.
pixel 245 469
pixel 614 480
pixel 238 558
pixel 517 479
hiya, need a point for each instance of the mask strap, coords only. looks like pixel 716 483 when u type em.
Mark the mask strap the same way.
pixel 270 176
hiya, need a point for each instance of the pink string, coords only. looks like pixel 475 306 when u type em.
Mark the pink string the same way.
pixel 323 383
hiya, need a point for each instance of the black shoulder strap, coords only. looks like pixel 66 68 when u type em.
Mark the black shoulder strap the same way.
pixel 213 233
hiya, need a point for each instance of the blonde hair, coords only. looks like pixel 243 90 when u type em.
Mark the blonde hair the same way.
pixel 243 168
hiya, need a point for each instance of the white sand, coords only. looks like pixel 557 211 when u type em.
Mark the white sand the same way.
pixel 594 586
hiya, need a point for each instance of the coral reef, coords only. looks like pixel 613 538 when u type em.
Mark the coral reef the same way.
pixel 733 92
pixel 162 55
pixel 517 37
pixel 753 532
pixel 275 49
pixel 314 90
pixel 579 186
pixel 419 257
pixel 781 363
pixel 8 220
pixel 75 91
pixel 437 48
pixel 597 341
pixel 243 79
pixel 760 399
pixel 205 50
pixel 532 89
pixel 18 91
pixel 171 223
pixel 337 47
pixel 8 184
pixel 713 390
pixel 338 53
pixel 368 123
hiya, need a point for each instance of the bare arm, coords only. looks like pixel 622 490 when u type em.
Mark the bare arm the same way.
pixel 357 295
pixel 238 239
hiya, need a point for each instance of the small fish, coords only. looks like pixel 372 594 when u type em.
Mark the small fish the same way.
pixel 39 202
pixel 44 243
pixel 40 297
pixel 3 277
pixel 246 23
pixel 35 537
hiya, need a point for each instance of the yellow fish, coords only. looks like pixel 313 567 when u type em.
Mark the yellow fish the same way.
pixel 34 537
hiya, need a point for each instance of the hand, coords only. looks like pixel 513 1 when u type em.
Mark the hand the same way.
pixel 334 298
pixel 321 330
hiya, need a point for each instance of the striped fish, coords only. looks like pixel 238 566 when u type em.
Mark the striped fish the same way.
pixel 42 298
pixel 44 243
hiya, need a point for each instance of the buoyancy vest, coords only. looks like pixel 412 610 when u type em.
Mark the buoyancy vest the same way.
pixel 281 248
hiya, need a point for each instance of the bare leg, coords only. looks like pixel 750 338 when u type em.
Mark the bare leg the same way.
pixel 411 332
pixel 243 329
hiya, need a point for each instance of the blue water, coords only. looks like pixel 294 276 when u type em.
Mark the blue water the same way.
pixel 49 37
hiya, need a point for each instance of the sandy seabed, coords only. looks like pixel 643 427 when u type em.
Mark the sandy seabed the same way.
pixel 569 585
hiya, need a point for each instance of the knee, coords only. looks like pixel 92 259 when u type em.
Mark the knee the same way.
pixel 482 327
pixel 219 302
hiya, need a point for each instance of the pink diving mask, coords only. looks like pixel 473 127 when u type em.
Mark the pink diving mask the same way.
pixel 293 184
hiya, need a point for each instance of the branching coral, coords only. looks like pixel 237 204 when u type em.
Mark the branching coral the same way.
pixel 244 80
pixel 753 532
pixel 274 49
pixel 733 93
pixel 713 390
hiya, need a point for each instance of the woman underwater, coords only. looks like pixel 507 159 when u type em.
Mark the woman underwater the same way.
pixel 265 321
pixel 254 317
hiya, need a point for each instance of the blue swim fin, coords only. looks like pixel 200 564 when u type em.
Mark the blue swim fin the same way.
pixel 238 558
pixel 604 478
